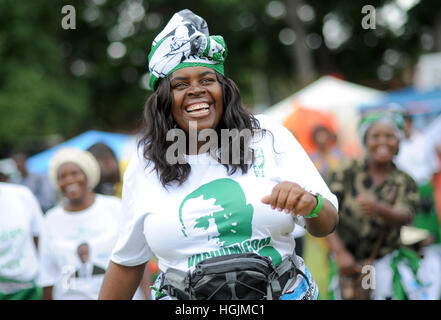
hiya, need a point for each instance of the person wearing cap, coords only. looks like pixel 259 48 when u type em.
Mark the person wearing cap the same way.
pixel 82 216
pixel 187 201
pixel 375 200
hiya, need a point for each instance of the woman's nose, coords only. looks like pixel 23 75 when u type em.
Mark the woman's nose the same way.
pixel 196 89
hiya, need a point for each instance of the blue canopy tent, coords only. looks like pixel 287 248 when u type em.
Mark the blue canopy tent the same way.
pixel 39 163
pixel 423 107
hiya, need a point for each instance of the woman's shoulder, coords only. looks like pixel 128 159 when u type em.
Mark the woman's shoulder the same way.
pixel 137 166
pixel 108 207
pixel 404 176
pixel 276 132
pixel 14 190
pixel 53 214
pixel 347 168
pixel 268 123
pixel 107 199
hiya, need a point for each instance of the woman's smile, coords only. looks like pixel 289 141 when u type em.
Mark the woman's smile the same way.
pixel 383 151
pixel 198 110
pixel 72 188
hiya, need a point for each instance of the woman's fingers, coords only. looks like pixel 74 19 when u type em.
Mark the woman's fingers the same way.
pixel 290 197
pixel 292 200
pixel 281 199
pixel 274 196
pixel 266 199
pixel 306 204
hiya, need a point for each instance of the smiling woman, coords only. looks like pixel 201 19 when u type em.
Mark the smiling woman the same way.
pixel 376 199
pixel 81 217
pixel 221 208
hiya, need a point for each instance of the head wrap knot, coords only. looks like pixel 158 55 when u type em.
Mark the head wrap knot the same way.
pixel 185 42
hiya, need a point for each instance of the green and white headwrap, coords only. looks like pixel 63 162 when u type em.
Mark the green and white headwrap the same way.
pixel 394 119
pixel 185 42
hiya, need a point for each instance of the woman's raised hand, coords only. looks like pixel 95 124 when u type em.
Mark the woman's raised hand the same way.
pixel 291 198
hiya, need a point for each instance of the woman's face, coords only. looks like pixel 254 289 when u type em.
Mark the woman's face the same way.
pixel 382 142
pixel 197 98
pixel 72 182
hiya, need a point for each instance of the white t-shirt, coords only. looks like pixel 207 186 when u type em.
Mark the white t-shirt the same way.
pixel 64 231
pixel 418 158
pixel 213 213
pixel 20 222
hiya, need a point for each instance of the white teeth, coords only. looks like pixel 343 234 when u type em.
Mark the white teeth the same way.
pixel 72 187
pixel 197 107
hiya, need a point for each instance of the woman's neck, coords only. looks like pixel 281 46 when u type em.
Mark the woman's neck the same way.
pixel 379 170
pixel 80 204
pixel 380 167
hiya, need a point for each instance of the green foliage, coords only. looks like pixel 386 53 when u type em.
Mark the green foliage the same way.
pixel 35 104
pixel 37 97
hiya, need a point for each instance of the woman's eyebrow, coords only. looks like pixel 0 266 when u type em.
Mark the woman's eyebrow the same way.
pixel 178 78
pixel 203 74
pixel 207 73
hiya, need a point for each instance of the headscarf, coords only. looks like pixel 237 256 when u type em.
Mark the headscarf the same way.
pixel 83 159
pixel 394 119
pixel 185 42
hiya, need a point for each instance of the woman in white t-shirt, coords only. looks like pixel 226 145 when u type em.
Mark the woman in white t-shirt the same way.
pixel 221 187
pixel 20 227
pixel 80 232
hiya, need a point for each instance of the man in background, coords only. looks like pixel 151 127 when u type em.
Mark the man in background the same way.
pixel 110 172
pixel 39 184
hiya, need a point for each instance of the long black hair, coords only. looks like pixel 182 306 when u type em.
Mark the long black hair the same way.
pixel 158 120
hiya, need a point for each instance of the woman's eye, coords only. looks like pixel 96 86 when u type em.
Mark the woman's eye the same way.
pixel 179 85
pixel 207 80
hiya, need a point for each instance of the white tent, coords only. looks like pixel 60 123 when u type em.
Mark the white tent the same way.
pixel 330 94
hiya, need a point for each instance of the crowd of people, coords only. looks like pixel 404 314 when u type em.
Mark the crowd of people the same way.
pixel 84 232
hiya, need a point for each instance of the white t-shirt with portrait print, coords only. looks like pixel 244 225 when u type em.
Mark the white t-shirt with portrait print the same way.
pixel 213 213
pixel 20 222
pixel 96 226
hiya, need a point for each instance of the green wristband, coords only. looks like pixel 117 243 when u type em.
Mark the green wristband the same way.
pixel 318 207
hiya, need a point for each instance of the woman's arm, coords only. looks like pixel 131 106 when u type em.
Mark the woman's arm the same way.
pixel 47 293
pixel 344 259
pixel 325 223
pixel 121 282
pixel 146 282
pixel 292 198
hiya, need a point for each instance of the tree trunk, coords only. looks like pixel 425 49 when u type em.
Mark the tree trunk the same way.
pixel 301 54
pixel 437 32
